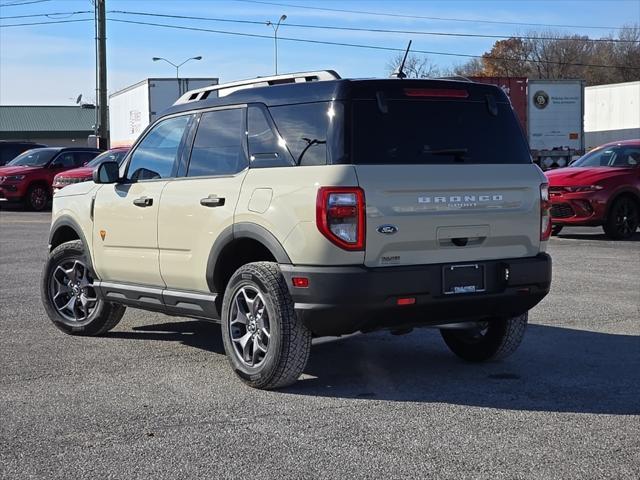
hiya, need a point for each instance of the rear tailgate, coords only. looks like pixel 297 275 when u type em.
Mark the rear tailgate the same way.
pixel 420 214
pixel 446 172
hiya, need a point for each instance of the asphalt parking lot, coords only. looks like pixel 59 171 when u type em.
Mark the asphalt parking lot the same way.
pixel 156 399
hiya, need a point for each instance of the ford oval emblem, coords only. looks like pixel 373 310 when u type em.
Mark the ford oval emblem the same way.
pixel 387 229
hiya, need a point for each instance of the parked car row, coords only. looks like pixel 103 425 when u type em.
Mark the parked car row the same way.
pixel 33 176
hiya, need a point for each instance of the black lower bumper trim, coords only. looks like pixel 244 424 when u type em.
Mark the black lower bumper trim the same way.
pixel 341 300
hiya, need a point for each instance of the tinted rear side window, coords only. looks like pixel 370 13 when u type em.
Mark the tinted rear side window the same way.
pixel 306 130
pixel 436 132
pixel 217 149
pixel 266 148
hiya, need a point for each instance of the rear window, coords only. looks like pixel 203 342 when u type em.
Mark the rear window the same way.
pixel 436 132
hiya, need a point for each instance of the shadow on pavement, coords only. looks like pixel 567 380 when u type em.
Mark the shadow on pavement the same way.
pixel 193 333
pixel 556 369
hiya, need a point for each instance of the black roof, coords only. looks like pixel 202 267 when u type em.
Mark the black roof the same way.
pixel 343 89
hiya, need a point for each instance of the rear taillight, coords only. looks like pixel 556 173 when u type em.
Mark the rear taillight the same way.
pixel 545 213
pixel 340 216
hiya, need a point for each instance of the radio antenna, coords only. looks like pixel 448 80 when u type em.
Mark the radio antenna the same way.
pixel 399 73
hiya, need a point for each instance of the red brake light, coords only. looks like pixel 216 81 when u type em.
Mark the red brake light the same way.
pixel 545 213
pixel 340 216
pixel 436 92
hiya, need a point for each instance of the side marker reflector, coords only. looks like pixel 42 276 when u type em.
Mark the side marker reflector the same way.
pixel 406 301
pixel 300 282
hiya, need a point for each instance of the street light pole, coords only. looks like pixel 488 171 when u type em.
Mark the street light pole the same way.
pixel 177 67
pixel 275 36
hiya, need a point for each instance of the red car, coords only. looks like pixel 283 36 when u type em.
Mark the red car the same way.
pixel 83 174
pixel 602 188
pixel 28 177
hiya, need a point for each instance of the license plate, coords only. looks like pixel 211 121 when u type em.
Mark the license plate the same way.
pixel 457 279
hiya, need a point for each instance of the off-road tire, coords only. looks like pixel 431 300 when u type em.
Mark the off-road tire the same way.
pixel 35 192
pixel 617 229
pixel 501 339
pixel 103 317
pixel 289 341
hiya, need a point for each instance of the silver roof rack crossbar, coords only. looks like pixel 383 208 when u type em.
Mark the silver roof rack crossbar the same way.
pixel 225 89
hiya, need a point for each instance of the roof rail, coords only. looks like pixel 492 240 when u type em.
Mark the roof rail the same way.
pixel 460 78
pixel 224 89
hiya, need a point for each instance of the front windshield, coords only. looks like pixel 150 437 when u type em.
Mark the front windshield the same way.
pixel 38 157
pixel 116 156
pixel 620 156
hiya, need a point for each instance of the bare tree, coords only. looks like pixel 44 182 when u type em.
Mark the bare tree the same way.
pixel 472 68
pixel 628 54
pixel 546 54
pixel 414 67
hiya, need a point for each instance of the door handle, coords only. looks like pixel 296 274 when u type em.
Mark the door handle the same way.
pixel 211 201
pixel 143 202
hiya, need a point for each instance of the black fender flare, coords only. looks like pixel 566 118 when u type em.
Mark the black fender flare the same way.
pixel 68 221
pixel 238 231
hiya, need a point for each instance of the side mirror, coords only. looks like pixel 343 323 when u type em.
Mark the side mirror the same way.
pixel 107 172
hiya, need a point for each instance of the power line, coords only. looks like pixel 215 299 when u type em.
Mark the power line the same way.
pixel 48 15
pixel 355 45
pixel 17 4
pixel 357 29
pixel 398 15
pixel 46 23
pixel 317 27
pixel 324 42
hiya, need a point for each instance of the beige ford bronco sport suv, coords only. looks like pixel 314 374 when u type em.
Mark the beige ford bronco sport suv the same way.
pixel 309 205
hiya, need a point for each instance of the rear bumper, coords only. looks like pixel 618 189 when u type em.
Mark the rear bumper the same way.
pixel 341 300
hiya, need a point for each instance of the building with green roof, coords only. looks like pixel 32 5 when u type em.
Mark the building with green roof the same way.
pixel 64 126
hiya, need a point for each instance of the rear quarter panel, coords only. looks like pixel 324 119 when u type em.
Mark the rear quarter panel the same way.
pixel 283 200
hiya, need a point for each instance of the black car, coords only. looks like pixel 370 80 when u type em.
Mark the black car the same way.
pixel 10 149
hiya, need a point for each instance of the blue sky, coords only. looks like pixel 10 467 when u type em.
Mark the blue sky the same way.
pixel 52 64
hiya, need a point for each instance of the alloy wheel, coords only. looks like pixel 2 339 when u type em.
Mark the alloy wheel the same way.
pixel 249 326
pixel 72 291
pixel 626 219
pixel 38 198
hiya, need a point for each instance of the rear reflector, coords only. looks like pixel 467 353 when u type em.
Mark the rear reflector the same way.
pixel 406 301
pixel 436 92
pixel 300 282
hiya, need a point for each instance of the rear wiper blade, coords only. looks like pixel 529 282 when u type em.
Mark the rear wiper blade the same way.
pixel 310 143
pixel 457 153
pixel 446 151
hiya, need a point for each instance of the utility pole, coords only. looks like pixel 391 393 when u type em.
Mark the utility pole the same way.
pixel 101 74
